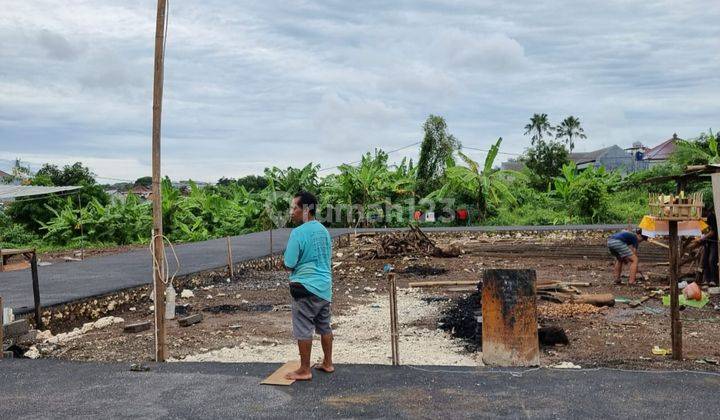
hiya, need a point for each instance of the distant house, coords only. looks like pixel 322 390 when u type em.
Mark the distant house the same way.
pixel 512 165
pixel 612 158
pixel 3 176
pixel 661 153
pixel 142 191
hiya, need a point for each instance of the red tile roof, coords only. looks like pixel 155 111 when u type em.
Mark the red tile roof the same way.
pixel 663 150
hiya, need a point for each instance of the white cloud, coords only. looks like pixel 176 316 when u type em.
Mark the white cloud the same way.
pixel 254 84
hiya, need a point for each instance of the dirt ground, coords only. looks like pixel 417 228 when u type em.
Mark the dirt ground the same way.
pixel 247 318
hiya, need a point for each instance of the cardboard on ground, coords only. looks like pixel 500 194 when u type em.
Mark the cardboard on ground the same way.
pixel 278 377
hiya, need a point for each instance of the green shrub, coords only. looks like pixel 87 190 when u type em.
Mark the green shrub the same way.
pixel 15 235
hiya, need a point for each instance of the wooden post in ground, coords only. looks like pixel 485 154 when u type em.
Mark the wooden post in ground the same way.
pixel 158 256
pixel 270 262
pixel 509 318
pixel 394 344
pixel 675 326
pixel 230 258
pixel 82 234
pixel 36 290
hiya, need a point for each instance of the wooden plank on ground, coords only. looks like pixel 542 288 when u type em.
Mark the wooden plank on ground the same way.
pixel 461 289
pixel 278 377
pixel 443 283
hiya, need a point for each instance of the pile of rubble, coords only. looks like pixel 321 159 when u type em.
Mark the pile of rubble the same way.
pixel 410 242
pixel 32 343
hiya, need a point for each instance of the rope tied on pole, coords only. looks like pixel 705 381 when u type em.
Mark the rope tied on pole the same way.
pixel 163 269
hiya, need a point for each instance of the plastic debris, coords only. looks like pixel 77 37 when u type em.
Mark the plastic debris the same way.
pixel 566 365
pixel 137 367
pixel 659 351
pixel 683 301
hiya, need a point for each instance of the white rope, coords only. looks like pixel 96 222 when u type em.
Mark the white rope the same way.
pixel 162 272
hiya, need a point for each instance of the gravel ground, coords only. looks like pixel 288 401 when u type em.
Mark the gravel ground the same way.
pixel 368 327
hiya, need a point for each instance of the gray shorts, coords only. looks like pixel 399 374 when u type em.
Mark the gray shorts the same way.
pixel 619 249
pixel 308 314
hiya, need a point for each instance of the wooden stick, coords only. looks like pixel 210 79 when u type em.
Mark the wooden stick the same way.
pixel 675 326
pixel 36 290
pixel 230 258
pixel 270 261
pixel 660 244
pixel 393 321
pixel 442 283
pixel 158 275
pixel 82 234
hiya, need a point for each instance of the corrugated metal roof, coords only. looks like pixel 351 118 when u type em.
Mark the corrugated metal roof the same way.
pixel 585 157
pixel 8 192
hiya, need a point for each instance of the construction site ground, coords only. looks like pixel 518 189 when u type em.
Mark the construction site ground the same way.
pixel 247 319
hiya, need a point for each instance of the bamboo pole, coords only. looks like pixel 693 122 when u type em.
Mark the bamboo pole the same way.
pixel 158 265
pixel 394 345
pixel 230 258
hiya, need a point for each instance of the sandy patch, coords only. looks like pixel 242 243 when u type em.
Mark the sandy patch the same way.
pixel 364 337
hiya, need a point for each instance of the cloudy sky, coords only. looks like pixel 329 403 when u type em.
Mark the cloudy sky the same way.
pixel 251 84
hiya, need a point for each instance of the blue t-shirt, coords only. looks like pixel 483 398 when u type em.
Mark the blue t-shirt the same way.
pixel 309 255
pixel 626 237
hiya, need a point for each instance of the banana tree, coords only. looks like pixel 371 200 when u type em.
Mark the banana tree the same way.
pixel 700 151
pixel 485 185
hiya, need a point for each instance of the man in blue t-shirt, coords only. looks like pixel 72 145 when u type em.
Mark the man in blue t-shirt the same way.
pixel 623 246
pixel 308 254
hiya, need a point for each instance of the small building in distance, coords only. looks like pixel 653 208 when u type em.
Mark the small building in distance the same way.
pixel 141 191
pixel 612 158
pixel 661 153
pixel 4 177
pixel 512 164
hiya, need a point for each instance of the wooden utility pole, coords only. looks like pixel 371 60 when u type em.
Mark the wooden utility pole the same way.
pixel 158 257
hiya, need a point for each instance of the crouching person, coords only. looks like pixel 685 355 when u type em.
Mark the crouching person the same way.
pixel 308 255
pixel 624 246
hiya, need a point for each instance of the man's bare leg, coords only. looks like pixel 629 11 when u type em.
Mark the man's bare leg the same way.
pixel 327 365
pixel 633 269
pixel 617 271
pixel 303 373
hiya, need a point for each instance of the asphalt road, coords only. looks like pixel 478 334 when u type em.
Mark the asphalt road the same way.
pixel 67 282
pixel 59 389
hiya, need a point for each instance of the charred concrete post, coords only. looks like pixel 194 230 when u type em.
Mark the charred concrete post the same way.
pixel 509 313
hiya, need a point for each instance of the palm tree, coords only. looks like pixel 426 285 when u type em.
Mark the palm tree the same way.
pixel 570 130
pixel 539 127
